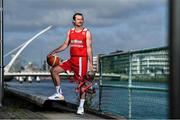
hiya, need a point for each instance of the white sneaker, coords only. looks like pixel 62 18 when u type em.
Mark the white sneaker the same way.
pixel 56 96
pixel 80 111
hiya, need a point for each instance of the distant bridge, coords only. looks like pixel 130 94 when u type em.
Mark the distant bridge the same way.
pixel 33 74
pixel 22 75
pixel 48 74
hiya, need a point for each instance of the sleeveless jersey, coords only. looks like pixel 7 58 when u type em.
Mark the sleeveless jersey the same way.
pixel 78 43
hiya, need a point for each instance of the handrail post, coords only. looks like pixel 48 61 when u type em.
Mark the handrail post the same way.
pixel 100 83
pixel 129 87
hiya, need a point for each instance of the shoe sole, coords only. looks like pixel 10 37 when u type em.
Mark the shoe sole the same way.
pixel 80 113
pixel 56 99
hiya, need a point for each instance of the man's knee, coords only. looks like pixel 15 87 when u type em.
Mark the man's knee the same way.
pixel 52 70
pixel 56 70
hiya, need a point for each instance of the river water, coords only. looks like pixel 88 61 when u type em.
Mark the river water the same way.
pixel 144 104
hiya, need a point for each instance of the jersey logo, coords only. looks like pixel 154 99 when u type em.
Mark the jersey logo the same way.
pixel 77 41
pixel 83 33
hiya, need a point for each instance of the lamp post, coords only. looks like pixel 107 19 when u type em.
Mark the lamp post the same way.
pixel 174 40
pixel 1 52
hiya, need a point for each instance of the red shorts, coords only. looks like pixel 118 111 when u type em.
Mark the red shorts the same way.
pixel 76 64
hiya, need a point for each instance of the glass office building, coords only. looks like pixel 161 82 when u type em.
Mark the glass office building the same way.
pixel 147 62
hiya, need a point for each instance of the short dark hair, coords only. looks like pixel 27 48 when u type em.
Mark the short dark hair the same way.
pixel 74 16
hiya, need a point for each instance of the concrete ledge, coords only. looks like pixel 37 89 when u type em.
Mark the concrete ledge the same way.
pixel 43 102
pixel 38 100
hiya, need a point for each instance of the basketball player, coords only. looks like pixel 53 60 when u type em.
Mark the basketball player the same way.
pixel 80 40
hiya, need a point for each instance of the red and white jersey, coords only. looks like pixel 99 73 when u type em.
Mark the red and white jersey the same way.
pixel 77 41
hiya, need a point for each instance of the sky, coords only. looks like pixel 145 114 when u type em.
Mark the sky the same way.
pixel 114 24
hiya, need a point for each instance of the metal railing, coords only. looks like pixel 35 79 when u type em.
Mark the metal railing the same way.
pixel 122 97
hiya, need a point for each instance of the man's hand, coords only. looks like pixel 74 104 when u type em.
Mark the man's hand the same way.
pixel 90 75
pixel 91 68
pixel 51 53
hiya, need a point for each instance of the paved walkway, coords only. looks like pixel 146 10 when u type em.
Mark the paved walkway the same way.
pixel 15 107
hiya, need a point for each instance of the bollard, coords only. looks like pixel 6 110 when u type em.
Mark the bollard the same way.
pixel 21 79
pixel 17 78
pixel 38 79
pixel 29 79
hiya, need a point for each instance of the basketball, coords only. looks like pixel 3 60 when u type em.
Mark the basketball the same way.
pixel 53 60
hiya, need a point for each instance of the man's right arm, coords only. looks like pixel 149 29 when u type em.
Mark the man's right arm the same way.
pixel 63 46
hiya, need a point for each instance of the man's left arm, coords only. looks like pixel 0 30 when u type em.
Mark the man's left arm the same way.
pixel 89 50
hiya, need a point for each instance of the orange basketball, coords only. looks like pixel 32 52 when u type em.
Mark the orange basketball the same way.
pixel 53 60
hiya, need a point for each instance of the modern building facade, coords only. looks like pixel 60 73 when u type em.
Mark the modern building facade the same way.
pixel 151 61
pixel 148 61
pixel 96 63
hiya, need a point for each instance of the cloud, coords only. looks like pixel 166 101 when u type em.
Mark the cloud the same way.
pixel 27 15
pixel 121 24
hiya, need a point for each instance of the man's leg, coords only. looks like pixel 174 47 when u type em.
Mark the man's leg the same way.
pixel 79 66
pixel 81 104
pixel 55 75
pixel 82 98
pixel 57 82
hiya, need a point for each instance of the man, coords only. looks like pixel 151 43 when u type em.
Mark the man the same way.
pixel 80 41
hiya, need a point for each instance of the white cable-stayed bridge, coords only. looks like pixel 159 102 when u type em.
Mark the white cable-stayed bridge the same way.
pixel 20 49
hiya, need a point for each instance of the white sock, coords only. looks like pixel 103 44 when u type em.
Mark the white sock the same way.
pixel 82 103
pixel 58 89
